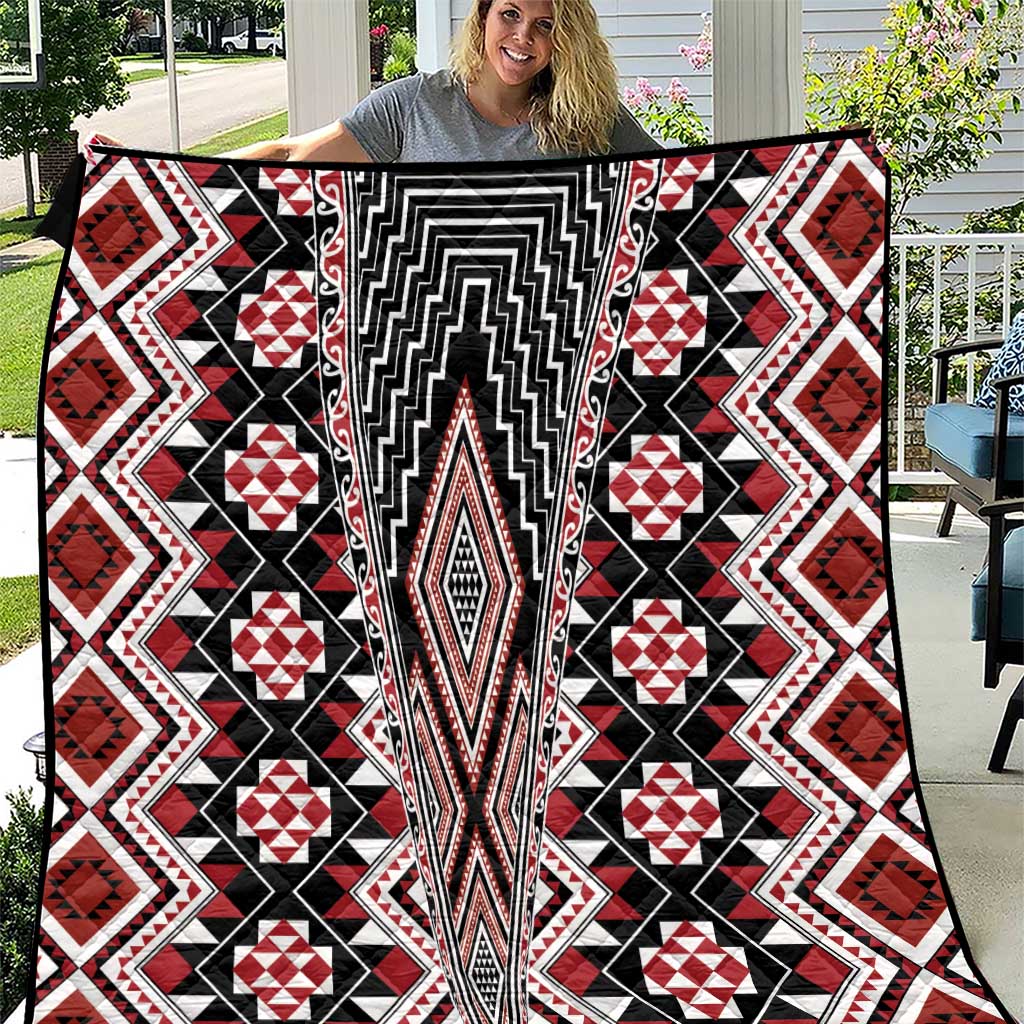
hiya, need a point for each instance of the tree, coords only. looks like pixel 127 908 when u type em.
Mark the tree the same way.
pixel 81 77
pixel 398 15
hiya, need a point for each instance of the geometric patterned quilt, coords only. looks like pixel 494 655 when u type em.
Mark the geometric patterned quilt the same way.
pixel 468 599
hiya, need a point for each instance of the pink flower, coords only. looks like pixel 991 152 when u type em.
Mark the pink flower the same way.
pixel 631 96
pixel 379 32
pixel 677 92
pixel 646 90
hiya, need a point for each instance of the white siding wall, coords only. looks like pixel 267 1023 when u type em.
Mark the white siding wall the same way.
pixel 645 37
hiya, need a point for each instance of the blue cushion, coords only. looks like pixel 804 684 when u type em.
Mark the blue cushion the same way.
pixel 1013 591
pixel 963 434
pixel 1009 360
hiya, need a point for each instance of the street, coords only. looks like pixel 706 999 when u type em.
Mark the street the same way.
pixel 211 101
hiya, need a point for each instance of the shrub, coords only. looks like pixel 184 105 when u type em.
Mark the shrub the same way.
pixel 402 58
pixel 192 43
pixel 21 852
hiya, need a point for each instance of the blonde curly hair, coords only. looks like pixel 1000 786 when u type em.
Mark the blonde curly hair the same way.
pixel 574 101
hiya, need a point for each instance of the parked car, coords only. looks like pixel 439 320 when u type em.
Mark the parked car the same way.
pixel 267 40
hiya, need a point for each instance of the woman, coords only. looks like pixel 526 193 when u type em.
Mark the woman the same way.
pixel 528 79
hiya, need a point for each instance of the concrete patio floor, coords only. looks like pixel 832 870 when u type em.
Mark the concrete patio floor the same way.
pixel 977 817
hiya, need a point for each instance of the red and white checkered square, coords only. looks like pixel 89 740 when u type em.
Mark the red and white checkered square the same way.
pixel 659 652
pixel 656 487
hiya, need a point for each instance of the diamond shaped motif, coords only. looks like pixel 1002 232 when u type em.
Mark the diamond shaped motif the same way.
pixel 891 886
pixel 86 388
pixel 671 813
pixel 278 645
pixel 863 730
pixel 91 562
pixel 280 320
pixel 271 476
pixel 283 971
pixel 86 889
pixel 464 579
pixel 841 400
pixel 656 487
pixel 92 728
pixel 115 233
pixel 659 652
pixel 283 811
pixel 846 226
pixel 690 965
pixel 465 586
pixel 845 567
pixel 941 1007
pixel 663 320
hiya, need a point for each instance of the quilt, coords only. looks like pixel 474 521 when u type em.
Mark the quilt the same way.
pixel 467 599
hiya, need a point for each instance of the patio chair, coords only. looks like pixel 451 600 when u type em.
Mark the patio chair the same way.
pixel 997 614
pixel 980 448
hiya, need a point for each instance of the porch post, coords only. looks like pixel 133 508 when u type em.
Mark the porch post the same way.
pixel 328 57
pixel 758 69
pixel 433 33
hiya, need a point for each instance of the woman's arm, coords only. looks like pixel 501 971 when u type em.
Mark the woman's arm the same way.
pixel 331 143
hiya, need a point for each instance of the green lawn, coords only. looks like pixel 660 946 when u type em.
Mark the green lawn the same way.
pixel 26 295
pixel 16 227
pixel 19 615
pixel 200 58
pixel 272 127
pixel 145 74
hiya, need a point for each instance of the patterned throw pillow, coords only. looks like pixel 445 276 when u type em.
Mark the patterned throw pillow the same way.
pixel 1009 360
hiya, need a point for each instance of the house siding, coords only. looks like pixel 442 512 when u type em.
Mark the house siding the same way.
pixel 645 36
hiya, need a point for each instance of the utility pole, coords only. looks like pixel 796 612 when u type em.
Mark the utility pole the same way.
pixel 172 77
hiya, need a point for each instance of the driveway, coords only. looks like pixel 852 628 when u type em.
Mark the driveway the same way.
pixel 211 101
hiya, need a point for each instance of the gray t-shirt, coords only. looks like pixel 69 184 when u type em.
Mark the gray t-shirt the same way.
pixel 427 116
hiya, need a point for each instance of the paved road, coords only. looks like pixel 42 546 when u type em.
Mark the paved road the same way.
pixel 211 101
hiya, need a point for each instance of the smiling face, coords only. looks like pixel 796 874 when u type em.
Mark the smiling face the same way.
pixel 517 38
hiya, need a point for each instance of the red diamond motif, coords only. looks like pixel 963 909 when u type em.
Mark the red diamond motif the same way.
pixel 283 970
pixel 271 476
pixel 92 727
pixel 86 889
pixel 863 730
pixel 846 567
pixel 278 645
pixel 655 487
pixel 114 233
pixel 86 557
pixel 76 1009
pixel 892 887
pixel 671 813
pixel 284 811
pixel 841 401
pixel 659 652
pixel 690 965
pixel 846 226
pixel 942 1008
pixel 280 320
pixel 86 388
pixel 663 321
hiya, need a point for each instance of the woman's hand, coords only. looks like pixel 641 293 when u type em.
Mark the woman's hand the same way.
pixel 106 140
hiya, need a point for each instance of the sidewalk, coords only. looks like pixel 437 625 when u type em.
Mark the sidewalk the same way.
pixel 19 550
pixel 23 252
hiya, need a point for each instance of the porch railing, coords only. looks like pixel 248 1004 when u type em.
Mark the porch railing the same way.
pixel 983 261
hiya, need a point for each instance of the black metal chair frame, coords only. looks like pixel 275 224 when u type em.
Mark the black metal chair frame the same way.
pixel 969 491
pixel 1000 652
